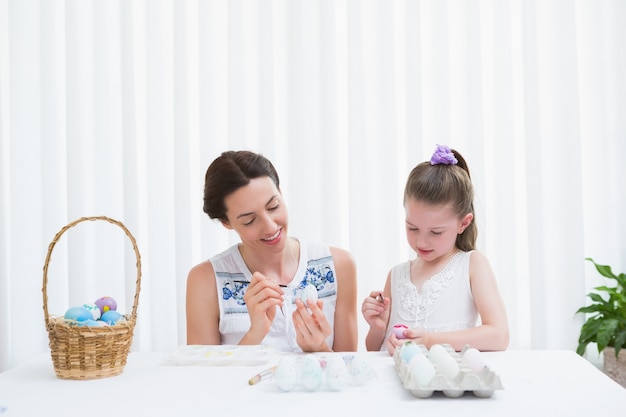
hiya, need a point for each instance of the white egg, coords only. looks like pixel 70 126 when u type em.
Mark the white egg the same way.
pixel 473 359
pixel 286 373
pixel 309 292
pixel 311 374
pixel 435 352
pixel 449 366
pixel 421 369
pixel 440 357
pixel 336 372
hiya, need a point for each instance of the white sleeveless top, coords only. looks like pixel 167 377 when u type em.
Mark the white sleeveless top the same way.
pixel 444 303
pixel 232 276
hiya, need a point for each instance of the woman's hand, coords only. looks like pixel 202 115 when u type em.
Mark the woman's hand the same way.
pixel 261 297
pixel 312 328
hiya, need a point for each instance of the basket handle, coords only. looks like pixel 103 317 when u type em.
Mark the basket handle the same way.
pixel 69 226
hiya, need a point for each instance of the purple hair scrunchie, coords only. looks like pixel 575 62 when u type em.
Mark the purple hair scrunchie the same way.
pixel 443 155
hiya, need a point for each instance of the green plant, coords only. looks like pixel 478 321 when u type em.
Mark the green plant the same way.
pixel 606 324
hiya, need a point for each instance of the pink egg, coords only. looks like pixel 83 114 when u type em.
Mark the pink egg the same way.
pixel 473 359
pixel 398 330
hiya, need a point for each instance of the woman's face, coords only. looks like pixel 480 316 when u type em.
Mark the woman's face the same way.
pixel 431 230
pixel 258 214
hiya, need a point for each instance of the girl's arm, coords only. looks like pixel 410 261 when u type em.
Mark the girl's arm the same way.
pixel 493 333
pixel 376 313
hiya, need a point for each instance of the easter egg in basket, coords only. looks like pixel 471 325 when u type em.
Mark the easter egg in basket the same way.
pixel 93 309
pixel 106 304
pixel 111 317
pixel 77 314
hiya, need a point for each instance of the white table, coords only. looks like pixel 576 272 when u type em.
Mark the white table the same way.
pixel 536 383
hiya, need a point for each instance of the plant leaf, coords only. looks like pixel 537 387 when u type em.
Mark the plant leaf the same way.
pixel 604 270
pixel 606 333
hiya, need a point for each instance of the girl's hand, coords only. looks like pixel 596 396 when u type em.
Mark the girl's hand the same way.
pixel 375 310
pixel 416 334
pixel 261 297
pixel 312 328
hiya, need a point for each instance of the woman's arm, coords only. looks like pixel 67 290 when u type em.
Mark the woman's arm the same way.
pixel 345 337
pixel 202 310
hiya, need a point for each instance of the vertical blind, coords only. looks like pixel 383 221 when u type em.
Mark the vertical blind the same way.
pixel 116 108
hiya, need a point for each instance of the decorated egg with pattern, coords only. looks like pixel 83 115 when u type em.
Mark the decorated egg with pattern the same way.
pixel 398 330
pixel 77 314
pixel 94 309
pixel 106 304
pixel 336 372
pixel 309 292
pixel 360 370
pixel 311 374
pixel 286 373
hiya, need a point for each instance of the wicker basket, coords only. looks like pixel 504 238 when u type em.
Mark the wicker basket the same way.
pixel 86 352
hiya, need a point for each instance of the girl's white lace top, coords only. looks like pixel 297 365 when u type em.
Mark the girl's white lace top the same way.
pixel 444 303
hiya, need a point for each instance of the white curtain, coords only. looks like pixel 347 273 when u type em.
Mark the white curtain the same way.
pixel 116 108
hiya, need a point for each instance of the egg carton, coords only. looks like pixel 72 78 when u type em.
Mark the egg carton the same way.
pixel 481 383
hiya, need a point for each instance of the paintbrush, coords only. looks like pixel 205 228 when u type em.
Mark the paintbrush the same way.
pixel 261 376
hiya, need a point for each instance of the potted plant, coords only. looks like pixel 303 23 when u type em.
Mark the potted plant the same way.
pixel 605 324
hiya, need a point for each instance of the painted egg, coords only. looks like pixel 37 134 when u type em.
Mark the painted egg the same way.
pixel 360 370
pixel 336 372
pixel 106 304
pixel 309 292
pixel 422 369
pixel 407 350
pixel 286 373
pixel 94 309
pixel 398 330
pixel 311 375
pixel 77 314
pixel 111 317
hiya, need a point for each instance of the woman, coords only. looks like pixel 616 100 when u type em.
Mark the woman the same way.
pixel 252 293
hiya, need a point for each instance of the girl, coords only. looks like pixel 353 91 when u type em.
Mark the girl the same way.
pixel 252 292
pixel 438 297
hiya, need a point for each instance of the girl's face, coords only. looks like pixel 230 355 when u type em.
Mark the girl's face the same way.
pixel 431 230
pixel 258 214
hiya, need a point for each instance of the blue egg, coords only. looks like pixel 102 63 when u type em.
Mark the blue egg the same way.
pixel 77 314
pixel 111 317
pixel 408 350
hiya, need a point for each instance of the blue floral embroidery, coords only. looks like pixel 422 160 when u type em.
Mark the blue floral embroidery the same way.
pixel 235 290
pixel 318 275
